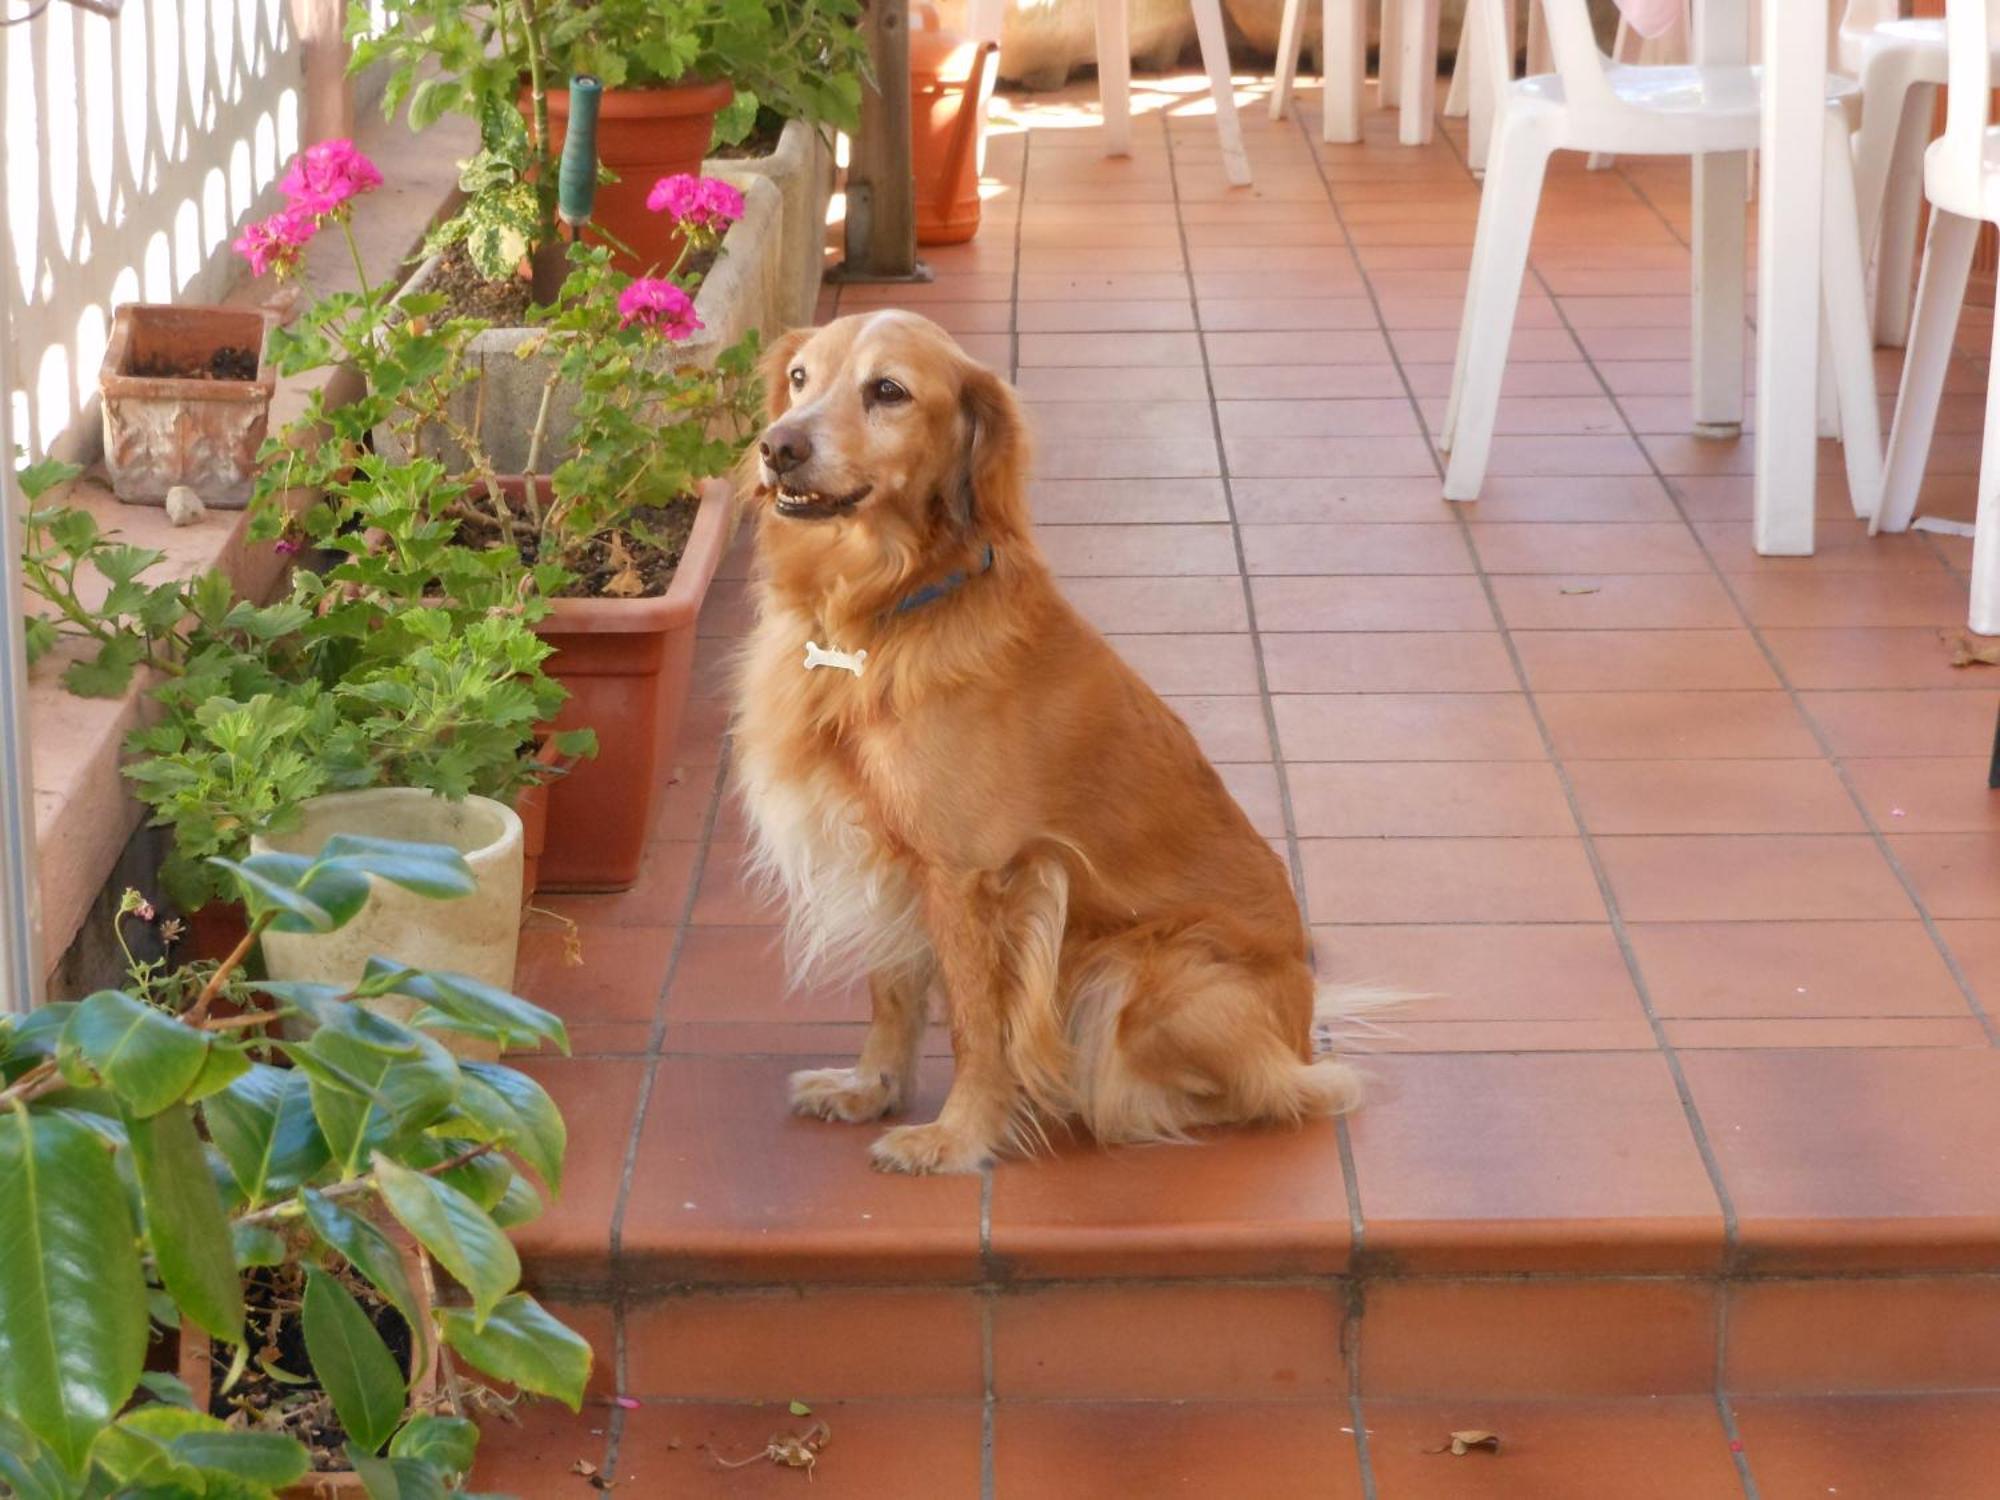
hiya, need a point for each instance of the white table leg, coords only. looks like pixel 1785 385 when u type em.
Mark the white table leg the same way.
pixel 1114 75
pixel 1793 147
pixel 1721 38
pixel 1344 49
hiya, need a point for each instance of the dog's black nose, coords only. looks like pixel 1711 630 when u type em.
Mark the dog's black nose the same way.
pixel 784 449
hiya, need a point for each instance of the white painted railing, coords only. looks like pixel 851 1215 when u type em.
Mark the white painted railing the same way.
pixel 134 148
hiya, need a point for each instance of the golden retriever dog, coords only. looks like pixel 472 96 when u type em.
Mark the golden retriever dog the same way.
pixel 959 786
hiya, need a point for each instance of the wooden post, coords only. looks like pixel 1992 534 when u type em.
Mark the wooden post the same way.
pixel 881 232
pixel 328 112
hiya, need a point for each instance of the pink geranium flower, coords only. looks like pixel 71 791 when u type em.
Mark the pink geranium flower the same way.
pixel 276 243
pixel 696 202
pixel 653 303
pixel 326 175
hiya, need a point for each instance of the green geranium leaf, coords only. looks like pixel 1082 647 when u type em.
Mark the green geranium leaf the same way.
pixel 73 1316
pixel 520 1342
pixel 352 1363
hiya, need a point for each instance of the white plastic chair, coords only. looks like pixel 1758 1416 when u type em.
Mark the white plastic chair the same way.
pixel 1962 181
pixel 1408 68
pixel 1593 104
pixel 1114 81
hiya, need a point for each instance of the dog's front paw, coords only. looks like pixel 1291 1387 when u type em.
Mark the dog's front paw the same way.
pixel 935 1147
pixel 843 1094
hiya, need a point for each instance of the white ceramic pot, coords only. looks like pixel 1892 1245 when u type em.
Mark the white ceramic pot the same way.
pixel 474 935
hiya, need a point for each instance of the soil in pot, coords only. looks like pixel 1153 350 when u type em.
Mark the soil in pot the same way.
pixel 636 562
pixel 230 362
pixel 505 303
pixel 290 1401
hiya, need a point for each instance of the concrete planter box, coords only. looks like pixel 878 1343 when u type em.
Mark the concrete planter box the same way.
pixel 742 291
pixel 802 169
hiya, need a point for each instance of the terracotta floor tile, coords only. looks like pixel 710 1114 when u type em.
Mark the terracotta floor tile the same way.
pixel 1976 946
pixel 1460 975
pixel 1085 1451
pixel 1686 726
pixel 1161 606
pixel 1419 603
pixel 1513 499
pixel 1241 1202
pixel 731 1186
pixel 1110 350
pixel 1191 456
pixel 1282 457
pixel 1065 502
pixel 1163 315
pixel 1333 347
pixel 728 894
pixel 1614 601
pixel 1947 794
pixel 619 979
pixel 1354 548
pixel 1228 728
pixel 1040 382
pixel 1321 380
pixel 739 974
pixel 812 1344
pixel 1836 657
pixel 658 900
pixel 1845 1160
pixel 1672 1448
pixel 1429 1340
pixel 1450 880
pixel 534 1458
pixel 1406 726
pixel 1713 796
pixel 1894 1333
pixel 1633 548
pixel 1140 550
pixel 1170 1343
pixel 1802 1448
pixel 1839 546
pixel 1191 664
pixel 1316 418
pixel 1789 970
pixel 1835 1031
pixel 1364 799
pixel 1475 1164
pixel 1607 660
pixel 1229 313
pixel 1750 877
pixel 1849 599
pixel 1923 723
pixel 1389 662
pixel 598 1098
pixel 1957 875
pixel 1356 499
pixel 878 1450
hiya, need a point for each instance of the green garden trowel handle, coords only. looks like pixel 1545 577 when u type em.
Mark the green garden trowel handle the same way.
pixel 576 182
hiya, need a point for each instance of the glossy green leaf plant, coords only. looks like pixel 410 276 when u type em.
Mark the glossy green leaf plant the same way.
pixel 165 1145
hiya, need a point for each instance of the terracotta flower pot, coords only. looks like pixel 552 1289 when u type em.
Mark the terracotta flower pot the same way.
pixel 427 1349
pixel 643 135
pixel 627 664
pixel 187 399
pixel 532 808
pixel 213 931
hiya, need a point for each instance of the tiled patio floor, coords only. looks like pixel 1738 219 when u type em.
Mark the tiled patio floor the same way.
pixel 1693 849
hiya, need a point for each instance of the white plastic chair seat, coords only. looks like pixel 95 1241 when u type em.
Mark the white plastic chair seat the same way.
pixel 1679 110
pixel 1947 188
pixel 1917 34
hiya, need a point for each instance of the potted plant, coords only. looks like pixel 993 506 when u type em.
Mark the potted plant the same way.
pixel 678 76
pixel 796 157
pixel 186 400
pixel 282 1176
pixel 614 533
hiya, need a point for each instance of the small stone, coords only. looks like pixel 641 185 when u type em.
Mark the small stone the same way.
pixel 184 506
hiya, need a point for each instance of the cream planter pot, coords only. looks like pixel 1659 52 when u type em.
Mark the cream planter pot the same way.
pixel 801 167
pixel 474 935
pixel 743 290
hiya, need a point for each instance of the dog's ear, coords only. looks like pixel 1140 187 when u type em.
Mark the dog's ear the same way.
pixel 991 492
pixel 776 369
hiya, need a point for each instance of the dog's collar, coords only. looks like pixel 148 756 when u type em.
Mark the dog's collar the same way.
pixel 930 593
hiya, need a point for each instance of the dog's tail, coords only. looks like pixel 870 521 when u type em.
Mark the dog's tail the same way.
pixel 1345 1020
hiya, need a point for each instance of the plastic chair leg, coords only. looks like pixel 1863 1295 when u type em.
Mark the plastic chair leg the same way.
pixel 1940 294
pixel 1388 62
pixel 1984 615
pixel 1901 213
pixel 1458 98
pixel 1291 38
pixel 1344 46
pixel 1418 105
pixel 1215 58
pixel 1849 341
pixel 1114 75
pixel 1507 209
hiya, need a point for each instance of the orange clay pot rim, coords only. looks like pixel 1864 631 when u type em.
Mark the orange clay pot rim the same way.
pixel 690 97
pixel 682 600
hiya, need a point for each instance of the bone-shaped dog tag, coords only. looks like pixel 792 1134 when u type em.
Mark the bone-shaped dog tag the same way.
pixel 826 656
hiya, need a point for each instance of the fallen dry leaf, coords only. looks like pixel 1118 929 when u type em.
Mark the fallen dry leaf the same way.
pixel 587 1471
pixel 1580 589
pixel 1977 651
pixel 788 1450
pixel 1463 1443
pixel 625 582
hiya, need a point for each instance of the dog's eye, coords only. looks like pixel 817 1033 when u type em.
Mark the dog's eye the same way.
pixel 886 393
pixel 798 377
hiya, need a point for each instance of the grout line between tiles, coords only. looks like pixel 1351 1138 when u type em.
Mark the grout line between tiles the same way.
pixel 1294 859
pixel 656 1035
pixel 1599 873
pixel 614 1435
pixel 1738 1452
